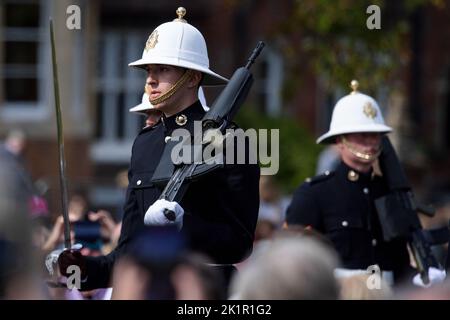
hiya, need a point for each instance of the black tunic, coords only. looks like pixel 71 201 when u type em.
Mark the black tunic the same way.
pixel 344 211
pixel 221 208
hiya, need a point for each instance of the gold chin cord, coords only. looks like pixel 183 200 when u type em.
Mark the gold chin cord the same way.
pixel 361 155
pixel 166 95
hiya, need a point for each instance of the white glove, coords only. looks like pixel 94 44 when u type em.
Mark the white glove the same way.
pixel 435 275
pixel 155 214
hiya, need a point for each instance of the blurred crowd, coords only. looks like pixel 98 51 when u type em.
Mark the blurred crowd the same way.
pixel 285 263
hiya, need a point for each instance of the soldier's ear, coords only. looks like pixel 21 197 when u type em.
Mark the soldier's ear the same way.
pixel 338 142
pixel 194 80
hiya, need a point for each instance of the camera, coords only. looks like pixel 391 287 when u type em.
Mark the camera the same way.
pixel 87 233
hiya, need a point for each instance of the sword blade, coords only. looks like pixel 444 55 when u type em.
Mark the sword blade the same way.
pixel 62 161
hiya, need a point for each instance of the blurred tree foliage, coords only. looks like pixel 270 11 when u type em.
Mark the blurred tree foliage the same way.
pixel 331 38
pixel 297 147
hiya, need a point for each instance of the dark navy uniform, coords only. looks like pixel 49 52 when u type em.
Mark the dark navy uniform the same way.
pixel 340 204
pixel 221 207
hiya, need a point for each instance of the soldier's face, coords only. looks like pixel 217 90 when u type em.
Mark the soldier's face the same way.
pixel 359 149
pixel 160 78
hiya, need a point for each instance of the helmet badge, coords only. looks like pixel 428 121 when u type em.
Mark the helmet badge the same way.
pixel 369 110
pixel 151 41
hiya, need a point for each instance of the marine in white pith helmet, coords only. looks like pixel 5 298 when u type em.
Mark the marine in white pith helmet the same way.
pixel 177 44
pixel 356 127
pixel 188 50
pixel 354 113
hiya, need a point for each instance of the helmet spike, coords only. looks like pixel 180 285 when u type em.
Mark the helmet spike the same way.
pixel 181 12
pixel 354 84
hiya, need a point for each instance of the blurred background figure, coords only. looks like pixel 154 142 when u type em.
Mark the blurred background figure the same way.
pixel 96 231
pixel 18 272
pixel 292 267
pixel 272 208
pixel 14 146
pixel 97 234
pixel 11 155
pixel 328 160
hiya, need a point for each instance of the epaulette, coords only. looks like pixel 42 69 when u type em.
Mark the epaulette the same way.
pixel 319 178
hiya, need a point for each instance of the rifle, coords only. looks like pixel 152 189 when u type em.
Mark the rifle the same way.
pixel 398 211
pixel 219 117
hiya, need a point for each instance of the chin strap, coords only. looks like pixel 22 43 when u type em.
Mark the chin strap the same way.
pixel 361 155
pixel 166 95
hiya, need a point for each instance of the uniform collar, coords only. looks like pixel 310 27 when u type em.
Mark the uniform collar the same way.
pixel 184 118
pixel 146 129
pixel 353 175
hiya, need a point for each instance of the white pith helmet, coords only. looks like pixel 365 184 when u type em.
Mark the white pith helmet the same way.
pixel 143 106
pixel 146 105
pixel 355 113
pixel 178 43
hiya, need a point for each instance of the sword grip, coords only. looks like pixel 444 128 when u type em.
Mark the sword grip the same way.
pixel 170 215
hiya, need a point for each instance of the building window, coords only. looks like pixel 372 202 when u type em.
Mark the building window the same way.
pixel 119 88
pixel 269 74
pixel 22 58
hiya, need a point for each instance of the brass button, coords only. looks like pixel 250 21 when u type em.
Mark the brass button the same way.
pixel 181 120
pixel 352 176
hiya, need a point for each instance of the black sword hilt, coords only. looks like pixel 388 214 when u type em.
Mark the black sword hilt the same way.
pixel 170 215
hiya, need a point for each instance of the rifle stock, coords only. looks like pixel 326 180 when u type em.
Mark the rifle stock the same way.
pixel 398 212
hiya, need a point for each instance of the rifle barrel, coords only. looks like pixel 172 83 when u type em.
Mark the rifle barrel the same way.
pixel 255 54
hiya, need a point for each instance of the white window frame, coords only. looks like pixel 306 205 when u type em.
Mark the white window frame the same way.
pixel 113 82
pixel 271 85
pixel 16 112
